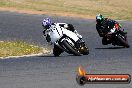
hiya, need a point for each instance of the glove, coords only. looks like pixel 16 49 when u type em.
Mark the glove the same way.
pixel 48 38
pixel 112 30
pixel 66 26
pixel 44 32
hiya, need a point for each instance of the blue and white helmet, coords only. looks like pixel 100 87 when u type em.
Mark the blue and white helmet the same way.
pixel 46 23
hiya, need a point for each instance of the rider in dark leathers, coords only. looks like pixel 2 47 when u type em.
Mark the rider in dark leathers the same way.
pixel 104 26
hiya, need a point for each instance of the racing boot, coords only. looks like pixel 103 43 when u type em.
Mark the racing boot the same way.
pixel 57 51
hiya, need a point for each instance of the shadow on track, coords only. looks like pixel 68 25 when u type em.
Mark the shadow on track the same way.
pixel 56 56
pixel 111 48
pixel 63 55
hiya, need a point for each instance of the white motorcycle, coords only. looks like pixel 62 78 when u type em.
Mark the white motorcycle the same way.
pixel 66 40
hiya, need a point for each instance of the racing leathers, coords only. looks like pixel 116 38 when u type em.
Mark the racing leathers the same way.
pixel 65 25
pixel 56 50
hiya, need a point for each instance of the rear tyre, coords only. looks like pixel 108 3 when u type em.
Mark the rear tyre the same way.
pixel 71 48
pixel 57 51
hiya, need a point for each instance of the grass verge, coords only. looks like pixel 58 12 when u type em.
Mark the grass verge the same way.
pixel 116 9
pixel 18 48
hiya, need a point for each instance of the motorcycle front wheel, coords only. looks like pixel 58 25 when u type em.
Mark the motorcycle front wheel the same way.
pixel 70 48
pixel 123 41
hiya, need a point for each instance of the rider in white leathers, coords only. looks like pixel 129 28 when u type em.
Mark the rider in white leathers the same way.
pixel 46 23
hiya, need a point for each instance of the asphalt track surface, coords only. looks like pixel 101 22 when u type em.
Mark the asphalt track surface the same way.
pixel 59 72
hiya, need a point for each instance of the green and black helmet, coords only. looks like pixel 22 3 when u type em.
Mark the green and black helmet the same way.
pixel 99 18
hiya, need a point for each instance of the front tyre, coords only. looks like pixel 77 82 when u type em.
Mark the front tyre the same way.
pixel 70 48
pixel 123 41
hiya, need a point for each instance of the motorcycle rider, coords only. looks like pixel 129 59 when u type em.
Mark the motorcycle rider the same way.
pixel 105 26
pixel 46 24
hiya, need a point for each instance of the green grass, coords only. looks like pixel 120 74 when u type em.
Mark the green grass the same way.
pixel 17 48
pixel 116 9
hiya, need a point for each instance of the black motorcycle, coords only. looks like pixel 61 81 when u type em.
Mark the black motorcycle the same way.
pixel 116 37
